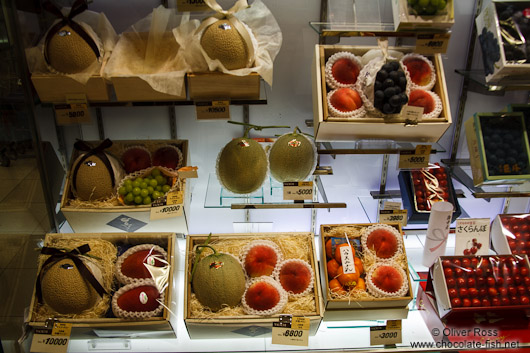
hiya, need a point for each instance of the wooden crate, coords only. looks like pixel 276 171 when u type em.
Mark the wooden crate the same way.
pixel 216 85
pixel 134 89
pixel 405 21
pixel 96 218
pixel 247 325
pixel 376 308
pixel 370 127
pixel 54 88
pixel 82 328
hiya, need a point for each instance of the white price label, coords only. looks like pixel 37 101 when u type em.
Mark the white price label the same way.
pixel 51 340
pixel 472 236
pixel 347 258
pixel 393 216
pixel 419 158
pixel 298 190
pixel 432 43
pixel 295 335
pixel 167 207
pixel 386 335
pixel 215 110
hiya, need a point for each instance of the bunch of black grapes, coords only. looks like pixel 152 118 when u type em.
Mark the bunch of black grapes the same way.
pixel 491 52
pixel 390 88
pixel 504 145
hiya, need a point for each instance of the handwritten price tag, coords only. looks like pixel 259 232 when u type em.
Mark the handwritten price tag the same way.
pixel 295 333
pixel 386 335
pixel 415 159
pixel 213 110
pixel 393 216
pixel 74 111
pixel 191 5
pixel 52 340
pixel 298 190
pixel 167 207
pixel 432 43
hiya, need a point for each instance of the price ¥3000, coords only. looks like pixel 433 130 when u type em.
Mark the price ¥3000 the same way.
pixel 392 334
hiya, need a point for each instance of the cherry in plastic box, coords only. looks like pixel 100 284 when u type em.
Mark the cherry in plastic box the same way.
pixel 421 188
pixel 510 234
pixel 465 285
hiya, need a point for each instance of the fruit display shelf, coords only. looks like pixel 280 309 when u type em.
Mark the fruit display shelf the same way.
pixel 103 216
pixel 499 149
pixel 466 285
pixel 396 128
pixel 424 14
pixel 510 234
pixel 84 324
pixel 239 321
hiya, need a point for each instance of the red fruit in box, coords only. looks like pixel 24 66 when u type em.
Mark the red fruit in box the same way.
pixel 490 281
pixel 136 158
pixel 167 156
pixel 474 262
pixel 527 281
pixel 505 301
pixel 421 98
pixel 295 276
pixel 466 262
pixel 476 302
pixel 420 71
pixel 492 292
pixel 459 272
pixel 345 71
pixel 453 293
pixel 133 266
pixel 466 302
pixel 139 299
pixel 473 292
pixel 514 300
pixel 346 100
pixel 387 278
pixel 523 271
pixel 446 263
pixel 500 281
pixel 463 292
pixel 524 300
pixel 502 291
pixel 495 302
pixel 451 283
pixel 457 263
pixel 262 296
pixel 460 282
pixel 383 242
pixel 448 272
pixel 260 261
pixel 482 292
pixel 512 290
pixel 521 289
pixel 456 302
pixel 486 302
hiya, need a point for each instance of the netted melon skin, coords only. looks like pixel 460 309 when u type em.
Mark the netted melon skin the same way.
pixel 292 158
pixel 93 180
pixel 225 45
pixel 242 166
pixel 69 54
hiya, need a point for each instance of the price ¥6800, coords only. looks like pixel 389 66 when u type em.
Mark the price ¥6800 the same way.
pixel 293 333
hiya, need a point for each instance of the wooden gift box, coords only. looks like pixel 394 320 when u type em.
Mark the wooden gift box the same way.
pixel 88 327
pixel 370 127
pixel 406 21
pixel 89 218
pixel 134 89
pixel 369 309
pixel 54 88
pixel 245 326
pixel 217 85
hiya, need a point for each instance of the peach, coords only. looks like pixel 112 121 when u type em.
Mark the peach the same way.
pixel 387 278
pixel 295 277
pixel 167 156
pixel 262 296
pixel 133 265
pixel 138 299
pixel 346 100
pixel 345 71
pixel 136 158
pixel 419 70
pixel 383 242
pixel 421 98
pixel 260 261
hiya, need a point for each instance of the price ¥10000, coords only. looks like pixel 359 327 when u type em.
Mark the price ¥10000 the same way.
pixel 56 341
pixel 293 333
pixel 170 209
pixel 392 334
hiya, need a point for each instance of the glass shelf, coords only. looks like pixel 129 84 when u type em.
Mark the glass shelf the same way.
pixel 478 78
pixel 374 147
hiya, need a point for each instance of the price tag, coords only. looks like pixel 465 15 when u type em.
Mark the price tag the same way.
pixel 393 216
pixel 295 333
pixel 415 159
pixel 213 110
pixel 74 111
pixel 192 5
pixel 411 114
pixel 386 335
pixel 168 206
pixel 432 43
pixel 298 190
pixel 188 172
pixel 472 236
pixel 53 340
pixel 392 205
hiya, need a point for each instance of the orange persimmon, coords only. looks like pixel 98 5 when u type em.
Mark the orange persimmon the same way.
pixel 348 279
pixel 337 252
pixel 358 265
pixel 361 285
pixel 336 287
pixel 333 268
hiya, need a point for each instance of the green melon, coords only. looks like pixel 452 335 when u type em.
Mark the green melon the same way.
pixel 218 280
pixel 223 42
pixel 92 180
pixel 292 157
pixel 242 165
pixel 65 290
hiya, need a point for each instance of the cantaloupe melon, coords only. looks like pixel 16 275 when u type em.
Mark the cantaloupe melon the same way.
pixel 68 52
pixel 292 157
pixel 242 165
pixel 223 42
pixel 218 280
pixel 92 179
pixel 65 290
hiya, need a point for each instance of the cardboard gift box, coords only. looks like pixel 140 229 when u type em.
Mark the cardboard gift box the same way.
pixel 104 217
pixel 361 304
pixel 201 322
pixel 368 126
pixel 498 148
pixel 467 285
pixel 510 234
pixel 419 190
pixel 497 64
pixel 96 322
pixel 217 85
pixel 55 88
pixel 405 18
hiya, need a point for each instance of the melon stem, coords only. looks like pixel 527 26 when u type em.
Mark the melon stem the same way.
pixel 248 127
pixel 198 254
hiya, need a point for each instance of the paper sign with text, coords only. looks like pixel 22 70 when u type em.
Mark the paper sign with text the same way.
pixel 167 206
pixel 298 190
pixel 293 333
pixel 472 236
pixel 74 111
pixel 393 216
pixel 52 340
pixel 419 158
pixel 386 335
pixel 213 110
pixel 432 43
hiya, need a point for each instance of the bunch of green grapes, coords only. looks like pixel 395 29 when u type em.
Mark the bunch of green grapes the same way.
pixel 427 7
pixel 142 191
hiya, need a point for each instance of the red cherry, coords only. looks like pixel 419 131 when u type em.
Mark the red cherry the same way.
pixel 466 252
pixel 523 252
pixel 508 280
pixel 457 263
pixel 459 272
pixel 474 240
pixel 515 270
pixel 500 281
pixel 474 262
pixel 512 244
pixel 446 263
pixel 503 291
pixel 466 302
pixel 471 282
pixel 448 272
pixel 463 292
pixel 521 244
pixel 524 300
pixel 495 302
pixel 505 301
pixel 481 281
pixel 527 281
pixel 476 302
pixel 492 292
pixel 512 290
pixel 473 250
pixel 473 292
pixel 486 302
pixel 514 300
pixel 490 281
pixel 521 289
pixel 518 279
pixel 482 292
pixel 523 271
pixel 456 302
pixel 460 282
pixel 479 272
pixel 453 293
pixel 451 283
pixel 466 262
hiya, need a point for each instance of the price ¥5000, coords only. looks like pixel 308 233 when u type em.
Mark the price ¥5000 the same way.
pixel 76 114
pixel 170 209
pixel 417 159
pixel 293 333
pixel 304 191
